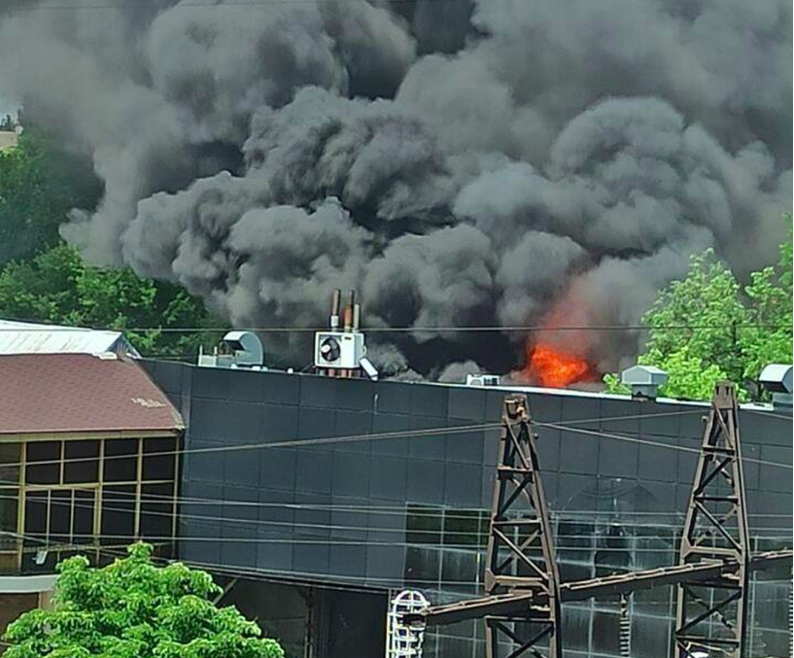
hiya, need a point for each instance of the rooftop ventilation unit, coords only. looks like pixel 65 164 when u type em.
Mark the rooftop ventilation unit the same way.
pixel 777 379
pixel 644 381
pixel 482 380
pixel 341 352
pixel 238 349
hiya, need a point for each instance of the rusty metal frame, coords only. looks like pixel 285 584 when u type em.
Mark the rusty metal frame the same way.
pixel 520 557
pixel 514 602
pixel 716 530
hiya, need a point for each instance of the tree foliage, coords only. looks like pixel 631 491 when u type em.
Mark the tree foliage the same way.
pixel 39 185
pixel 134 609
pixel 769 337
pixel 702 314
pixel 44 280
pixel 707 327
pixel 57 287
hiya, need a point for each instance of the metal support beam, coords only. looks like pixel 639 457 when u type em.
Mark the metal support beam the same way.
pixel 712 615
pixel 520 557
pixel 524 592
pixel 581 590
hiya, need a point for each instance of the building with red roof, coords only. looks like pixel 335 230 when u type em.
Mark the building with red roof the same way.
pixel 88 462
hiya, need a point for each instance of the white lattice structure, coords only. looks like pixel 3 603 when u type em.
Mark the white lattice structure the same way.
pixel 404 641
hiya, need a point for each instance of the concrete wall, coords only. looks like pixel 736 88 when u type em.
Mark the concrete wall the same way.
pixel 400 512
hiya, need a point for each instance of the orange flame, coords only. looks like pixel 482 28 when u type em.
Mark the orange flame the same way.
pixel 554 369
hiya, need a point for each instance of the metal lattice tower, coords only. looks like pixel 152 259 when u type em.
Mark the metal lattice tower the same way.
pixel 711 615
pixel 520 558
pixel 523 590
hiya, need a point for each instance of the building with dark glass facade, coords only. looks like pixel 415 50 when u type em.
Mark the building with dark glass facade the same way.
pixel 341 525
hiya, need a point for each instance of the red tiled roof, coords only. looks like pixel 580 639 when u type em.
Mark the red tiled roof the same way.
pixel 79 393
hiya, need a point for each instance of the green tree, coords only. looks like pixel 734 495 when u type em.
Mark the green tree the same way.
pixel 688 377
pixel 39 185
pixel 57 287
pixel 706 327
pixel 134 609
pixel 769 337
pixel 704 313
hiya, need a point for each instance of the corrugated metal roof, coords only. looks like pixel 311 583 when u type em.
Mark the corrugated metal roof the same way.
pixel 52 393
pixel 30 338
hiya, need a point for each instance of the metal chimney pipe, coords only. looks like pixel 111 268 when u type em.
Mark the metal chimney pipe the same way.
pixel 348 320
pixel 349 312
pixel 336 298
pixel 356 316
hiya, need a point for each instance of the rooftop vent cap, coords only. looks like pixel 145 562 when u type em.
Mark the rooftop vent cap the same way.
pixel 482 380
pixel 644 381
pixel 777 378
pixel 247 348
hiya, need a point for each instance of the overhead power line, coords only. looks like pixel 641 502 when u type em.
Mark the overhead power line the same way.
pixel 306 528
pixel 404 329
pixel 412 509
pixel 287 443
pixel 379 436
pixel 770 414
pixel 193 4
pixel 212 520
pixel 633 439
pixel 262 574
pixel 431 431
pixel 325 541
pixel 405 511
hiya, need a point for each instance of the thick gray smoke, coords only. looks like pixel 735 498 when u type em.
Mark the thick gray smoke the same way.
pixel 469 163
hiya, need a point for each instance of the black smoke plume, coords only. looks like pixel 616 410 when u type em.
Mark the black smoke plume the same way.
pixel 460 163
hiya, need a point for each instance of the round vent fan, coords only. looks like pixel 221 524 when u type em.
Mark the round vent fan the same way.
pixel 330 349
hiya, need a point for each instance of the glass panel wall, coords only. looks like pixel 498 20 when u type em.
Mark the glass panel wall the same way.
pixel 92 496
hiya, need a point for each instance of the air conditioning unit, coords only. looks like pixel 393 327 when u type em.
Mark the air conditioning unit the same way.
pixel 338 349
pixel 482 380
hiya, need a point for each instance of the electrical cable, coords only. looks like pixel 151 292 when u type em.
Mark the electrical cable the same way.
pixel 578 421
pixel 324 541
pixel 146 499
pixel 231 4
pixel 771 414
pixel 377 436
pixel 414 509
pixel 286 443
pixel 263 574
pixel 631 439
pixel 252 572
pixel 388 330
pixel 336 527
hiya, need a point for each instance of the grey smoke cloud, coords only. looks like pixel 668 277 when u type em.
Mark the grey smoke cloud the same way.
pixel 494 162
pixel 455 373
